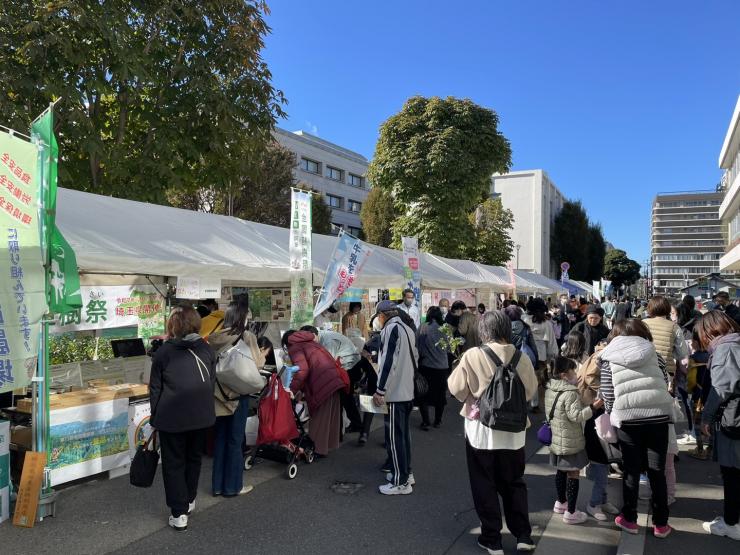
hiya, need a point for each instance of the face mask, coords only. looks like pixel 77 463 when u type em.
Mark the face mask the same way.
pixel 377 325
pixel 573 380
pixel 408 302
pixel 481 311
pixel 444 310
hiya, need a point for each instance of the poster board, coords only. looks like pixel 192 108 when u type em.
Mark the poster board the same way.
pixel 139 428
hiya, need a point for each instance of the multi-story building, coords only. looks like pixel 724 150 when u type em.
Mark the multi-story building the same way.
pixel 729 210
pixel 687 239
pixel 535 201
pixel 338 173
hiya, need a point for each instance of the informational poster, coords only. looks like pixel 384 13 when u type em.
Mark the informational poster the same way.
pixel 301 263
pixel 280 305
pixel 411 266
pixel 260 303
pixel 198 288
pixel 88 439
pixel 22 287
pixel 116 306
pixel 139 428
pixel 347 260
pixel 354 295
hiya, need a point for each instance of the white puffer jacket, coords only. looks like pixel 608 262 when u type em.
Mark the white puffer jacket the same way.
pixel 640 388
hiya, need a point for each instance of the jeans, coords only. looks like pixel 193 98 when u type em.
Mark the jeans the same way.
pixel 644 447
pixel 398 440
pixel 228 459
pixel 499 473
pixel 687 407
pixel 599 475
pixel 181 458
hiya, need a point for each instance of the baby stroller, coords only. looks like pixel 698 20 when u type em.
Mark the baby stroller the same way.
pixel 288 450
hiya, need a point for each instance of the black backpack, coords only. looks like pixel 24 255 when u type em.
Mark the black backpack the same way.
pixel 503 405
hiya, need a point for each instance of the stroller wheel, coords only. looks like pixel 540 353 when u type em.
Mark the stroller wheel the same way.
pixel 292 471
pixel 248 462
pixel 309 454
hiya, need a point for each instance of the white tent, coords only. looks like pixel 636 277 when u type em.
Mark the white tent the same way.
pixel 551 286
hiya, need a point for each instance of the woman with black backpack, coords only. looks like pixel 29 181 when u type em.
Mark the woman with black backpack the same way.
pixel 495 457
pixel 720 336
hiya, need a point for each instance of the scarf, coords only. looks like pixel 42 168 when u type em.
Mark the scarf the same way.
pixel 717 341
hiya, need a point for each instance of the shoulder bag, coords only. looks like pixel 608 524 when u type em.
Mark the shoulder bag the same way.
pixel 144 464
pixel 237 370
pixel 544 434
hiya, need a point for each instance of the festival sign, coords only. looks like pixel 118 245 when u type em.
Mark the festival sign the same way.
pixel 22 288
pixel 411 266
pixel 349 256
pixel 301 263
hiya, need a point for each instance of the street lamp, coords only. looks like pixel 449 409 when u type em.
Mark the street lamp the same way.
pixel 518 246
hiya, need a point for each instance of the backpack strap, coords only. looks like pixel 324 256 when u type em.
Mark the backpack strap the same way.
pixel 554 405
pixel 216 326
pixel 411 352
pixel 513 363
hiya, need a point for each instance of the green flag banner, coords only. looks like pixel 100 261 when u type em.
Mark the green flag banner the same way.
pixel 22 287
pixel 65 278
pixel 43 127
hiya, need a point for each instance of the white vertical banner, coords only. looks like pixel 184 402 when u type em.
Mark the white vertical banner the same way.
pixel 301 267
pixel 411 266
pixel 596 290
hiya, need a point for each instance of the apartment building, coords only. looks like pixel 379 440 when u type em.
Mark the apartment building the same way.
pixel 687 239
pixel 729 210
pixel 535 201
pixel 339 173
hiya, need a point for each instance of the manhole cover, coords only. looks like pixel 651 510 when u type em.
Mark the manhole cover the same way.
pixel 346 488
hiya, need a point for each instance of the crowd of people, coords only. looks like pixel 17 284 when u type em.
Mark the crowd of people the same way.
pixel 616 380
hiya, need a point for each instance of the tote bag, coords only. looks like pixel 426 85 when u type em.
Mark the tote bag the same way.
pixel 276 417
pixel 144 465
pixel 237 370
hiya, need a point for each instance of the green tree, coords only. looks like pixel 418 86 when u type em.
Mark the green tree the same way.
pixel 596 252
pixel 154 95
pixel 321 213
pixel 567 243
pixel 377 216
pixel 620 269
pixel 436 157
pixel 492 223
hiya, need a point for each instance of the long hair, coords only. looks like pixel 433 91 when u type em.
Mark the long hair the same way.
pixel 235 317
pixel 575 346
pixel 536 308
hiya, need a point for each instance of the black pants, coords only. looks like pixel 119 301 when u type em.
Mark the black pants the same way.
pixel 731 481
pixel 644 447
pixel 436 396
pixel 181 454
pixel 348 399
pixel 398 440
pixel 499 473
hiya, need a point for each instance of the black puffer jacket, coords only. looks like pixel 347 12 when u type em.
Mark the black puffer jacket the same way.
pixel 180 389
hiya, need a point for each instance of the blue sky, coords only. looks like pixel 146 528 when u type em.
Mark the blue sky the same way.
pixel 615 100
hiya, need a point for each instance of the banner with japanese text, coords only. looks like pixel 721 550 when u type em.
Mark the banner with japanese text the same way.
pixel 411 266
pixel 22 288
pixel 347 260
pixel 301 264
pixel 116 306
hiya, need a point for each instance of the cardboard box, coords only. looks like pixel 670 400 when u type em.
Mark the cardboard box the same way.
pixel 4 470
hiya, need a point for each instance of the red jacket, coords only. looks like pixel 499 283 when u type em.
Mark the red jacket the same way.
pixel 318 376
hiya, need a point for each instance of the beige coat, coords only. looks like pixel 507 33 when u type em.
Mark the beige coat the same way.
pixel 475 371
pixel 221 342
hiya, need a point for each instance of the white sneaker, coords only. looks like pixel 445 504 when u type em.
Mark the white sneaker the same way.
pixel 491 550
pixel 410 481
pixel 596 512
pixel 609 509
pixel 688 439
pixel 719 527
pixel 390 489
pixel 191 507
pixel 246 489
pixel 560 508
pixel 180 523
pixel 578 517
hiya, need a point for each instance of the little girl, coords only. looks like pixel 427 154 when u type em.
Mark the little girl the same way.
pixel 566 414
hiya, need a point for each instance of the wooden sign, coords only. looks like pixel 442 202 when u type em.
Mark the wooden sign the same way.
pixel 30 489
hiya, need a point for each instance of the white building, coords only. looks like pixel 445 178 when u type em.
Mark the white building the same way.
pixel 535 201
pixel 729 210
pixel 337 172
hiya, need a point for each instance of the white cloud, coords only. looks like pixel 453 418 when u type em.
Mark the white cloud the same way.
pixel 312 128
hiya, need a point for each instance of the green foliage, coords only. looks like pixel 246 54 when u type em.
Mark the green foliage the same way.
pixel 596 252
pixel 154 95
pixel 449 341
pixel 569 239
pixel 620 269
pixel 436 157
pixel 377 215
pixel 71 348
pixel 320 214
pixel 492 224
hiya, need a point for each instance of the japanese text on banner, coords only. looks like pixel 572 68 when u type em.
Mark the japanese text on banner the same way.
pixel 301 264
pixel 411 266
pixel 22 298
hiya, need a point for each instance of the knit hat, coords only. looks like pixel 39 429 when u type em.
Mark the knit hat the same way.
pixel 385 306
pixel 593 309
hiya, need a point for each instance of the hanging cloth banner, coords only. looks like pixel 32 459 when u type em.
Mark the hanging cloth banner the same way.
pixel 411 266
pixel 349 257
pixel 22 289
pixel 301 266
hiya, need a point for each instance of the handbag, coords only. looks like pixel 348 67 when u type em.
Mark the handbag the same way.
pixel 237 370
pixel 604 429
pixel 276 417
pixel 544 434
pixel 144 464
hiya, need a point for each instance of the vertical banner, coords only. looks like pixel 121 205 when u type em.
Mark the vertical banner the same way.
pixel 347 261
pixel 512 278
pixel 411 266
pixel 22 287
pixel 596 286
pixel 301 266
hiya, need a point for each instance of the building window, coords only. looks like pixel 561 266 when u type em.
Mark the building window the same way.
pixel 310 166
pixel 356 180
pixel 334 202
pixel 355 231
pixel 354 206
pixel 334 173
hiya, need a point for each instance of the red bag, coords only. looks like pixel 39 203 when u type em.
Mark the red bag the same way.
pixel 277 421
